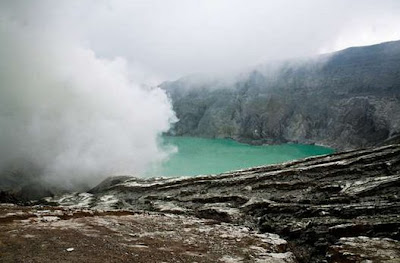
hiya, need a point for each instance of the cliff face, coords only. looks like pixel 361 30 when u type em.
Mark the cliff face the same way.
pixel 342 207
pixel 346 100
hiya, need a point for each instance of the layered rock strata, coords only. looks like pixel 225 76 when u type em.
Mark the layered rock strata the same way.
pixel 314 203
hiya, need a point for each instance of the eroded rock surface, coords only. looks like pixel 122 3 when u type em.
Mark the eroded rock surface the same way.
pixel 54 234
pixel 365 249
pixel 311 203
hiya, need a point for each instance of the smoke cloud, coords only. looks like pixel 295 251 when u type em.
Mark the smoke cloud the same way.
pixel 69 116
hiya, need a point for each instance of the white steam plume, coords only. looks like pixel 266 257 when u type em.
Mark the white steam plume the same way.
pixel 75 117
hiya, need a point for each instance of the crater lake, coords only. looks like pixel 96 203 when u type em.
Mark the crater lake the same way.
pixel 195 156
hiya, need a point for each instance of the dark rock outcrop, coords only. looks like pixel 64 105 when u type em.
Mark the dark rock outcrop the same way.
pixel 348 99
pixel 314 203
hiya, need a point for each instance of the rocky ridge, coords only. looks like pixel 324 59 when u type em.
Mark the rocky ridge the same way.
pixel 324 207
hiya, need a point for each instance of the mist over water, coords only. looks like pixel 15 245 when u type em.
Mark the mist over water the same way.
pixel 69 117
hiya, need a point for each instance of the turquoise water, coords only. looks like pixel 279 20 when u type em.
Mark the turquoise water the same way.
pixel 209 156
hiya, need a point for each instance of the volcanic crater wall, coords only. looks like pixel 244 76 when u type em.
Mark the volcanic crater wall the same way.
pixel 346 100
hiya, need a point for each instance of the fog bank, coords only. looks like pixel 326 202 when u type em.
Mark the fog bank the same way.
pixel 69 117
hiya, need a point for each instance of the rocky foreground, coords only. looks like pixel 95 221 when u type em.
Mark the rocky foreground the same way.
pixel 343 207
pixel 48 234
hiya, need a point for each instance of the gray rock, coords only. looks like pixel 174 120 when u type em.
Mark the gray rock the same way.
pixel 311 203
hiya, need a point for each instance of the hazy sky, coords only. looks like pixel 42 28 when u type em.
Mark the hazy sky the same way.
pixel 165 39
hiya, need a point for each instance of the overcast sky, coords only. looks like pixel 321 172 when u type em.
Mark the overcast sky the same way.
pixel 166 39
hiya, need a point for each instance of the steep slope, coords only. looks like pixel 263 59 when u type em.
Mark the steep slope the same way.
pixel 346 99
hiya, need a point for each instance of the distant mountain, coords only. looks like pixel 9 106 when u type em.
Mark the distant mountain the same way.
pixel 347 99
